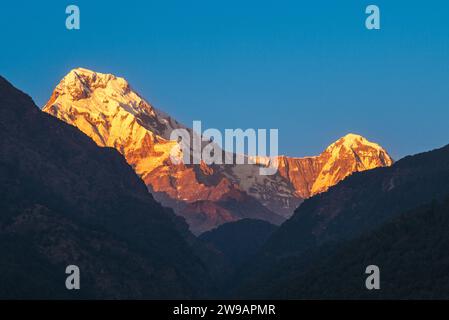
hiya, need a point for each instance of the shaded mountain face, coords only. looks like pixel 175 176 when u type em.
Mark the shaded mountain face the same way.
pixel 239 241
pixel 410 251
pixel 107 109
pixel 233 206
pixel 66 201
pixel 350 210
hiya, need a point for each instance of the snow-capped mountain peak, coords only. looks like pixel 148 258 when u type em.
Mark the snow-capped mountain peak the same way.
pixel 105 95
pixel 351 153
pixel 352 141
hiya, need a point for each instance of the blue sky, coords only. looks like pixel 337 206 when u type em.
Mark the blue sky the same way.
pixel 309 68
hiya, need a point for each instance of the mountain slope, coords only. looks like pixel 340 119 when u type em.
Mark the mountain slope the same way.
pixel 231 207
pixel 107 109
pixel 410 251
pixel 67 201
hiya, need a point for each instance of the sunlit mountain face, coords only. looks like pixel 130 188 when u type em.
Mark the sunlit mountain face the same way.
pixel 108 110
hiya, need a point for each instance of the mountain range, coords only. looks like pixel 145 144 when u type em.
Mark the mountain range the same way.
pixel 109 111
pixel 74 197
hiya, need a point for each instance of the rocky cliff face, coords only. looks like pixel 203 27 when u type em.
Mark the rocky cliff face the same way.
pixel 107 109
pixel 351 153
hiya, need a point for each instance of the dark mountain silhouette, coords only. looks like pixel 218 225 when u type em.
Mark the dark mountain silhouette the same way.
pixel 240 240
pixel 411 252
pixel 67 201
pixel 353 208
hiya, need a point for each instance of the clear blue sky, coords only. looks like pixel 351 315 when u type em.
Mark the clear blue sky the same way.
pixel 309 68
